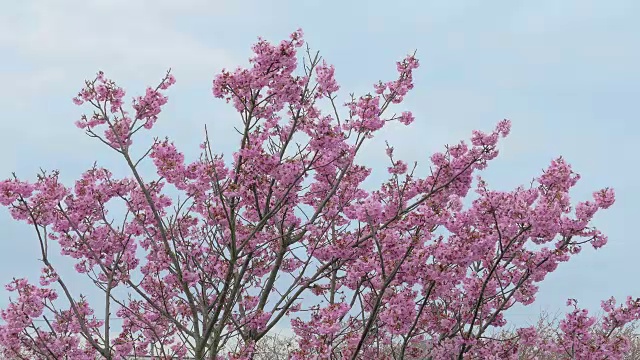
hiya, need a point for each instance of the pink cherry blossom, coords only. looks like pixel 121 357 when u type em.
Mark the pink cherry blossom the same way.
pixel 283 232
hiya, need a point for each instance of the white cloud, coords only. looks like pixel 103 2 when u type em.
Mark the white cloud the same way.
pixel 133 39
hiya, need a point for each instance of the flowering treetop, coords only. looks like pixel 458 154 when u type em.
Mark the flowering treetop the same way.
pixel 284 230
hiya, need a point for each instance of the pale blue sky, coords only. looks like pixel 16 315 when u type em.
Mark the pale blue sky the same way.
pixel 565 72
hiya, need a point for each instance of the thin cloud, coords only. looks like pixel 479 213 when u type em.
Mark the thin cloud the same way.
pixel 131 39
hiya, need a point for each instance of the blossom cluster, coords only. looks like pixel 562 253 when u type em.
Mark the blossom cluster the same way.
pixel 284 230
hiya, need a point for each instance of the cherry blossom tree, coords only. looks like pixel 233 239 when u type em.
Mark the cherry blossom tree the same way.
pixel 551 330
pixel 283 233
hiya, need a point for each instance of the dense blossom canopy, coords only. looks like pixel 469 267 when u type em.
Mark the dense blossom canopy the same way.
pixel 284 232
